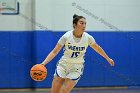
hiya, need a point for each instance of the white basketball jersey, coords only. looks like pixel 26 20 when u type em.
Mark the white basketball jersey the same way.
pixel 74 51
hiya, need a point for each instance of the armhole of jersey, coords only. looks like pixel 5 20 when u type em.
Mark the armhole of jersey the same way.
pixel 89 39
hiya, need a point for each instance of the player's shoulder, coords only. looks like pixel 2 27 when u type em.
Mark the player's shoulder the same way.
pixel 68 33
pixel 90 38
pixel 87 34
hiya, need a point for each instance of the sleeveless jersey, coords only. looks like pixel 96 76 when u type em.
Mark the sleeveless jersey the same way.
pixel 74 50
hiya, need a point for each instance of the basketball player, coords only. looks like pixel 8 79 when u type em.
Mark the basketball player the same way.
pixel 70 66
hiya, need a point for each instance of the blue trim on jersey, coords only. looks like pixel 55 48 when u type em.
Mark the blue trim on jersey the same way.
pixel 76 78
pixel 57 73
pixel 82 69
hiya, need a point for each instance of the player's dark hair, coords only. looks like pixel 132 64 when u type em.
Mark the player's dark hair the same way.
pixel 76 18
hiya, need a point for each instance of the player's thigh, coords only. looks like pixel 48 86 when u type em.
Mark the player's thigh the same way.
pixel 57 84
pixel 68 85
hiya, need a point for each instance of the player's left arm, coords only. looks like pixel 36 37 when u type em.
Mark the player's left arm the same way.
pixel 99 50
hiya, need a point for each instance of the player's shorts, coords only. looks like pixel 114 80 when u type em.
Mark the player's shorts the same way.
pixel 69 70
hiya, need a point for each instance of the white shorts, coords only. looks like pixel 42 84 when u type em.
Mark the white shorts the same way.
pixel 69 70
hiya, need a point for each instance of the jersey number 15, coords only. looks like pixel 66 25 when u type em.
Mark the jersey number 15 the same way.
pixel 75 54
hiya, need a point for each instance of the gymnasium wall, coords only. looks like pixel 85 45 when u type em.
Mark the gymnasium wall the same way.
pixel 56 15
pixel 26 39
pixel 19 22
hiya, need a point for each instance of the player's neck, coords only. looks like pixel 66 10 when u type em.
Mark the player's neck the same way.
pixel 77 34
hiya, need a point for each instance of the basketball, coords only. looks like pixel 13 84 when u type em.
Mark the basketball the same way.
pixel 38 72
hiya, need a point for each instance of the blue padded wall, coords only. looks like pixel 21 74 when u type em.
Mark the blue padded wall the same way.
pixel 19 51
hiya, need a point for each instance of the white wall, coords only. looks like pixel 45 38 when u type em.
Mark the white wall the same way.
pixel 18 22
pixel 43 14
pixel 100 14
pixel 57 15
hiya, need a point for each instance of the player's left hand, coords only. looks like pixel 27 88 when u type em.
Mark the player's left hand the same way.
pixel 111 62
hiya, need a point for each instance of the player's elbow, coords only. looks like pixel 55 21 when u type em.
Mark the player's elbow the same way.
pixel 56 50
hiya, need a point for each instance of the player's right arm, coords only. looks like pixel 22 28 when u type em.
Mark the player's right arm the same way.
pixel 56 50
pixel 52 54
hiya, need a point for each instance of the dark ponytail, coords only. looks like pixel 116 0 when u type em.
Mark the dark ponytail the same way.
pixel 74 16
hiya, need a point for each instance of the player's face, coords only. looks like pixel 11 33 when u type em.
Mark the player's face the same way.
pixel 81 24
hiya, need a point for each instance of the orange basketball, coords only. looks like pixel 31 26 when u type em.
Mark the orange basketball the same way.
pixel 38 72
